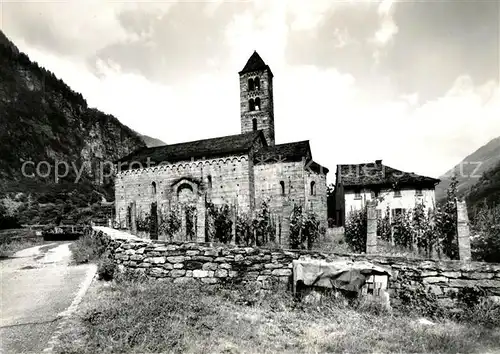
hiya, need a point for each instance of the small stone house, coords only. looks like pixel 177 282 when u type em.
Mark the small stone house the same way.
pixel 241 170
pixel 398 190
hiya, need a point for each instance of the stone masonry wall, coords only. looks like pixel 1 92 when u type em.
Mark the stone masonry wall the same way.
pixel 297 181
pixel 317 201
pixel 185 262
pixel 230 182
pixel 268 188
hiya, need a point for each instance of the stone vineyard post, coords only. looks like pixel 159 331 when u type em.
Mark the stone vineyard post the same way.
pixel 463 232
pixel 371 227
pixel 133 218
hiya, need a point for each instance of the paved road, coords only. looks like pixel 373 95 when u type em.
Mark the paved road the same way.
pixel 37 287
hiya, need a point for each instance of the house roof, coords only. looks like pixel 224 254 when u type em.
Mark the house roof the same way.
pixel 378 174
pixel 206 148
pixel 295 151
pixel 289 152
pixel 255 63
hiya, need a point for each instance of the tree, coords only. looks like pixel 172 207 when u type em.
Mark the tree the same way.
pixel 446 221
pixel 356 230
pixel 304 228
pixel 486 229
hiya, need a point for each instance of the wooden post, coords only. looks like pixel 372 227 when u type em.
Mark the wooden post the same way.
pixel 183 233
pixel 201 214
pixel 133 218
pixel 277 229
pixel 233 228
pixel 463 232
pixel 153 221
pixel 371 234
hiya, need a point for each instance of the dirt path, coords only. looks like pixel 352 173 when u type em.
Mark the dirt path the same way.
pixel 38 289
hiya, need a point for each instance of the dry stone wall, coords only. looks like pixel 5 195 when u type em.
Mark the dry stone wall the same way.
pixel 185 262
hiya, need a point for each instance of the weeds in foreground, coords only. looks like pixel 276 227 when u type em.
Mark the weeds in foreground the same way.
pixel 15 240
pixel 140 315
pixel 88 248
pixel 106 267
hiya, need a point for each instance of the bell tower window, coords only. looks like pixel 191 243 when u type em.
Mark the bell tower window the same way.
pixel 254 124
pixel 251 86
pixel 256 82
pixel 257 104
pixel 251 105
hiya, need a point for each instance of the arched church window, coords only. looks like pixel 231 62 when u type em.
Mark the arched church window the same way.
pixel 257 83
pixel 254 124
pixel 282 184
pixel 257 104
pixel 209 179
pixel 153 188
pixel 313 188
pixel 251 104
pixel 251 86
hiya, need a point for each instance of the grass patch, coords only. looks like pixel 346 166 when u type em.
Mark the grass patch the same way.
pixel 88 248
pixel 14 240
pixel 137 316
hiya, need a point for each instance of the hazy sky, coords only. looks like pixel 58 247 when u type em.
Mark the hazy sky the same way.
pixel 413 83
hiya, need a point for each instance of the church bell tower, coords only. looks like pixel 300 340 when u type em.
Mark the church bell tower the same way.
pixel 256 98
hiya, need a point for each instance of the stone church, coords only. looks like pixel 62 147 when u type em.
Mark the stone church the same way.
pixel 241 170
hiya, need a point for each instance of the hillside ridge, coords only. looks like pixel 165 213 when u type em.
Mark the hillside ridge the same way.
pixel 470 170
pixel 45 124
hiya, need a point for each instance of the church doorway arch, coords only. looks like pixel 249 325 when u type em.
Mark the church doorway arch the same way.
pixel 187 197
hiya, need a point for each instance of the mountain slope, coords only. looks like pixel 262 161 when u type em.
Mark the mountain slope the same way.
pixel 152 142
pixel 471 168
pixel 46 123
pixel 486 189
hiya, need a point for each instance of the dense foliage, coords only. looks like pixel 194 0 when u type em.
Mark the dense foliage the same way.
pixel 7 221
pixel 170 223
pixel 304 228
pixel 426 232
pixel 221 223
pixel 356 230
pixel 259 230
pixel 446 221
pixel 244 230
pixel 143 222
pixel 88 248
pixel 384 225
pixel 190 222
pixel 264 225
pixel 486 234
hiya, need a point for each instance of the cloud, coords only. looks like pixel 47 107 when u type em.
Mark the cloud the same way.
pixel 387 30
pixel 170 48
pixel 75 27
pixel 307 15
pixel 261 27
pixel 388 27
pixel 168 78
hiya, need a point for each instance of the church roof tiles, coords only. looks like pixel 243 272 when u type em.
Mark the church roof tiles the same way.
pixel 289 152
pixel 255 63
pixel 206 148
pixel 377 174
